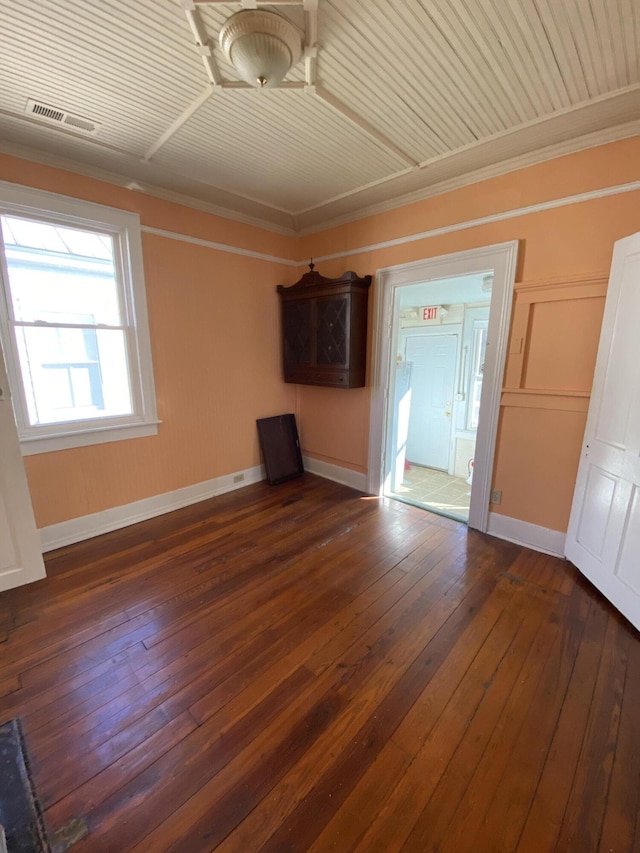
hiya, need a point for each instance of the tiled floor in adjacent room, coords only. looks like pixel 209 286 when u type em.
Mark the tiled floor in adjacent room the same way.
pixel 436 490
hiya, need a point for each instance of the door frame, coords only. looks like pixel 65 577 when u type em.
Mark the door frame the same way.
pixel 501 260
pixel 417 331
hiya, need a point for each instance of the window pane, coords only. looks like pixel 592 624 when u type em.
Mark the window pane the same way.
pixel 73 374
pixel 59 274
pixel 479 353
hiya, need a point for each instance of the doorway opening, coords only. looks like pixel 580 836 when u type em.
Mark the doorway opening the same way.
pixel 437 384
pixel 441 338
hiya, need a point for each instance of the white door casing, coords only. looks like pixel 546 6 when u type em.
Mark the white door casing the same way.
pixel 20 549
pixel 603 539
pixel 433 374
pixel 500 258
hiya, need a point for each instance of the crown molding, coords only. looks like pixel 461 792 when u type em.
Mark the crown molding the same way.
pixel 569 124
pixel 465 179
pixel 604 192
pixel 44 158
pixel 563 201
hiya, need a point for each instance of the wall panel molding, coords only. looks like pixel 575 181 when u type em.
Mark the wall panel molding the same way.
pixel 529 294
pixel 565 401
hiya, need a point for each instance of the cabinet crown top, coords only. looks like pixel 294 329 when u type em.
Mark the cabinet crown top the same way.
pixel 314 279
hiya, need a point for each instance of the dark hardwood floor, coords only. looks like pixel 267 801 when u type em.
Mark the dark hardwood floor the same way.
pixel 298 668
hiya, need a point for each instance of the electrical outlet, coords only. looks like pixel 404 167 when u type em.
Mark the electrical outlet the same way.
pixel 238 478
pixel 496 496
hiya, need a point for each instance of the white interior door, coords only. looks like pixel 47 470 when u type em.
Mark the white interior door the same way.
pixel 20 550
pixel 433 373
pixel 603 539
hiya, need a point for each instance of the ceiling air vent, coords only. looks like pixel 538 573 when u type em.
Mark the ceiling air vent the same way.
pixel 63 118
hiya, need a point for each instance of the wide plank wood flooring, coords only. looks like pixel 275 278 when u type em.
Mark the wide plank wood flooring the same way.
pixel 300 668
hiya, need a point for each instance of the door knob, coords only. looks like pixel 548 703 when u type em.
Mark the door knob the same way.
pixel 447 414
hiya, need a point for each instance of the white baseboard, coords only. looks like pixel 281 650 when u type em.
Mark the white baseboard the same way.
pixel 523 533
pixel 87 526
pixel 336 473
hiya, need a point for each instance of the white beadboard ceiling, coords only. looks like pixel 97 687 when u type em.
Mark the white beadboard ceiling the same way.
pixel 406 97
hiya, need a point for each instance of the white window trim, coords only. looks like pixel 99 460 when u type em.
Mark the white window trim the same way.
pixel 24 201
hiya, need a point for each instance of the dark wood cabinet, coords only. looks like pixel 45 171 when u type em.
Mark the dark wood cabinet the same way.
pixel 324 330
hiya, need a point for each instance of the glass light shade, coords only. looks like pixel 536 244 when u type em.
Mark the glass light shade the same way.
pixel 260 57
pixel 262 46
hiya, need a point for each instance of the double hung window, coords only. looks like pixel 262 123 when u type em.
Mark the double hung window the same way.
pixel 73 321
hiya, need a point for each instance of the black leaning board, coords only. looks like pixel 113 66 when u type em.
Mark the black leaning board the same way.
pixel 280 448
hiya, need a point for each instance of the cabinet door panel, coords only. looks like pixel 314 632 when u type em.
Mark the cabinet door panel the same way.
pixel 332 330
pixel 296 323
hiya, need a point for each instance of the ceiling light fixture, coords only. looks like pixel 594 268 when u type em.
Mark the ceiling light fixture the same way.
pixel 262 46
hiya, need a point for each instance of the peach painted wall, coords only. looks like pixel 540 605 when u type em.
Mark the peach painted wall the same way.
pixel 215 334
pixel 215 340
pixel 563 263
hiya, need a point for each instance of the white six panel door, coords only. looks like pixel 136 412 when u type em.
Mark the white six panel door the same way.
pixel 603 539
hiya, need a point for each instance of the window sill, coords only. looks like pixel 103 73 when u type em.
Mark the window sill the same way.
pixel 83 438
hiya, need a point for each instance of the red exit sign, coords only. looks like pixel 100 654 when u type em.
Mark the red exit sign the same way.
pixel 430 312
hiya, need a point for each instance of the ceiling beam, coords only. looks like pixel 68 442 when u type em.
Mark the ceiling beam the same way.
pixel 310 65
pixel 195 22
pixel 361 123
pixel 311 21
pixel 311 41
pixel 193 107
pixel 203 42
